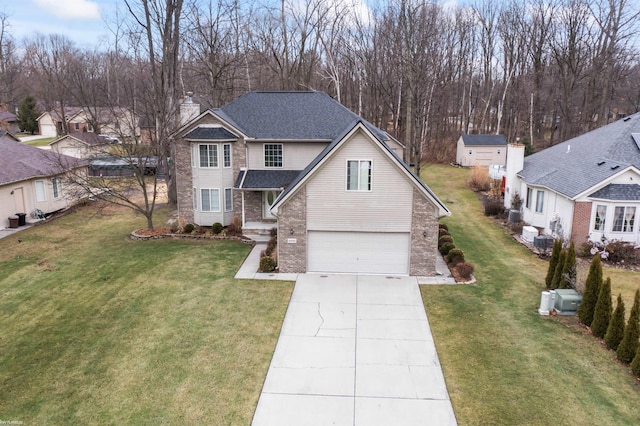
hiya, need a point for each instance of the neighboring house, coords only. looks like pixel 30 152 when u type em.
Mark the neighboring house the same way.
pixel 32 178
pixel 584 189
pixel 341 198
pixel 6 135
pixel 9 122
pixel 481 150
pixel 115 122
pixel 50 122
pixel 81 145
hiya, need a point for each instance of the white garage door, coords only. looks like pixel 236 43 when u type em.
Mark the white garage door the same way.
pixel 375 253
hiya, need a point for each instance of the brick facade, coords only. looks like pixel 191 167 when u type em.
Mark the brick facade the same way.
pixel 184 181
pixel 581 221
pixel 252 206
pixel 292 257
pixel 424 219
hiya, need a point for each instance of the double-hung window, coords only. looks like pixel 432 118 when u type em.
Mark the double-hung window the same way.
pixel 601 216
pixel 359 175
pixel 210 199
pixel 273 155
pixel 226 155
pixel 623 219
pixel 40 191
pixel 539 201
pixel 57 187
pixel 228 199
pixel 209 155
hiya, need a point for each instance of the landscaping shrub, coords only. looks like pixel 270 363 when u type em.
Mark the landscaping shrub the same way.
pixel 635 364
pixel 591 291
pixel 629 345
pixel 620 251
pixel 446 248
pixel 553 262
pixel 445 239
pixel 602 313
pixel 480 179
pixel 557 274
pixel 615 331
pixel 443 226
pixel 516 228
pixel 216 228
pixel 464 270
pixel 455 256
pixel 271 245
pixel 273 232
pixel 492 207
pixel 188 228
pixel 568 278
pixel 234 229
pixel 267 264
pixel 175 228
pixel 442 231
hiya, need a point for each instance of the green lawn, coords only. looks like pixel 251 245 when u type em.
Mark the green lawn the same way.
pixel 97 328
pixel 40 141
pixel 503 363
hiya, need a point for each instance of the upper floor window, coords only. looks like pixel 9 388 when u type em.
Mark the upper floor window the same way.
pixel 539 201
pixel 209 155
pixel 273 155
pixel 359 175
pixel 624 219
pixel 601 216
pixel 226 154
pixel 57 187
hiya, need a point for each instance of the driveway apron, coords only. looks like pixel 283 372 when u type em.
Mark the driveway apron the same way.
pixel 355 350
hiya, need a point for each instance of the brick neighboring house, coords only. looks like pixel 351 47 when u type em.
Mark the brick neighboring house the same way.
pixel 584 189
pixel 334 185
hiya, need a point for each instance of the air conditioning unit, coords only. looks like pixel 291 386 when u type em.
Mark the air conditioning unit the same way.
pixel 567 301
pixel 543 242
pixel 529 233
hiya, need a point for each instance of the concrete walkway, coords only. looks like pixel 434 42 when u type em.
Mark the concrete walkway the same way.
pixel 355 350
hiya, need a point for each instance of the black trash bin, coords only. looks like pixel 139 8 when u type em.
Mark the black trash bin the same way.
pixel 22 219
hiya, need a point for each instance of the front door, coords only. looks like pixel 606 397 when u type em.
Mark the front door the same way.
pixel 268 197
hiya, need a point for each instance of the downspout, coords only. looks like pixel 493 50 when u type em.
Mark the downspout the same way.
pixel 240 187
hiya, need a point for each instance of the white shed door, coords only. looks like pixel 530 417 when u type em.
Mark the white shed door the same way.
pixel 365 252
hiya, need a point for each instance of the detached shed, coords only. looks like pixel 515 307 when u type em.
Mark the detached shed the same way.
pixel 481 150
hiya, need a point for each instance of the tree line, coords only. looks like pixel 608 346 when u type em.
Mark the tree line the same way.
pixel 540 71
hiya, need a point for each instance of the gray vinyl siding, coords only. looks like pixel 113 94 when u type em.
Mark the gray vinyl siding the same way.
pixel 295 155
pixel 386 208
pixel 220 178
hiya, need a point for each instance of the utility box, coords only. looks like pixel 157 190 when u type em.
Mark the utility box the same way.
pixel 543 242
pixel 529 233
pixel 567 301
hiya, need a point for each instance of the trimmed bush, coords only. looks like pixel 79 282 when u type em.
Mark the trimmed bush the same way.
pixel 591 291
pixel 267 264
pixel 271 245
pixel 557 274
pixel 568 277
pixel 443 226
pixel 188 228
pixel 602 313
pixel 553 262
pixel 464 270
pixel 446 248
pixel 445 239
pixel 455 256
pixel 635 364
pixel 216 228
pixel 629 344
pixel 442 231
pixel 615 331
pixel 493 207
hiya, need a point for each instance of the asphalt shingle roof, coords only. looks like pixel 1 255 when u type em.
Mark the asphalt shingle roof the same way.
pixel 87 138
pixel 21 162
pixel 578 164
pixel 617 191
pixel 211 133
pixel 298 115
pixel 264 179
pixel 484 140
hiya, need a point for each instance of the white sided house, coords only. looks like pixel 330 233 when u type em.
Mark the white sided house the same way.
pixel 332 184
pixel 584 189
pixel 481 150
pixel 81 145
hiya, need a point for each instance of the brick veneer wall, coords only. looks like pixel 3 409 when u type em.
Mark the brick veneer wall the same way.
pixel 252 206
pixel 581 220
pixel 424 218
pixel 184 180
pixel 292 257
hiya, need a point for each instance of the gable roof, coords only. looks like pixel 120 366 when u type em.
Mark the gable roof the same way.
pixel 484 140
pixel 21 162
pixel 8 117
pixel 574 166
pixel 617 191
pixel 286 116
pixel 87 138
pixel 331 148
pixel 5 134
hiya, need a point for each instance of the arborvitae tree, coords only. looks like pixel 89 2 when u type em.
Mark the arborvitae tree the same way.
pixel 635 364
pixel 553 262
pixel 27 115
pixel 615 331
pixel 629 345
pixel 557 274
pixel 568 278
pixel 602 313
pixel 591 290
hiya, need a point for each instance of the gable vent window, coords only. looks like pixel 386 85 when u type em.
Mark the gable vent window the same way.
pixel 359 175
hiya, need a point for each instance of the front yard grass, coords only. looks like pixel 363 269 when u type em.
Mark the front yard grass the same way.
pixel 41 141
pixel 503 363
pixel 97 328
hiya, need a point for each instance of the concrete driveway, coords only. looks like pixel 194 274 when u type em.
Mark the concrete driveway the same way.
pixel 355 350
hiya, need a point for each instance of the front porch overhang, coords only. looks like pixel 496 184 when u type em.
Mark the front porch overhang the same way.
pixel 265 180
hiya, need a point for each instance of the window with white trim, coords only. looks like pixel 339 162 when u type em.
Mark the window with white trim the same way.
pixel 194 155
pixel 40 192
pixel 624 218
pixel 359 175
pixel 76 126
pixel 208 155
pixel 228 199
pixel 601 217
pixel 210 199
pixel 529 198
pixel 57 187
pixel 195 199
pixel 273 155
pixel 539 201
pixel 226 155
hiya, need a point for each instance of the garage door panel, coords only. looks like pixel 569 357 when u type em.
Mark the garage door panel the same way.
pixel 358 252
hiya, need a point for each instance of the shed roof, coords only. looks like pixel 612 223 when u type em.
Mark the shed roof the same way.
pixel 265 179
pixel 484 140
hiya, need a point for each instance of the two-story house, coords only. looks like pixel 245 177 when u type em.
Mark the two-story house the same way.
pixel 332 183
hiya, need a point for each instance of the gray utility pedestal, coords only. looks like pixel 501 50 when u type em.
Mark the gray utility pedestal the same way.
pixel 567 301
